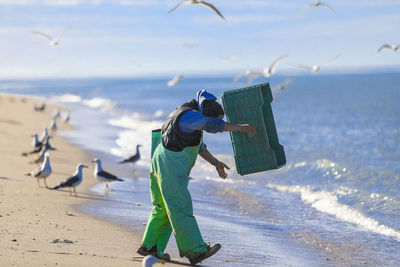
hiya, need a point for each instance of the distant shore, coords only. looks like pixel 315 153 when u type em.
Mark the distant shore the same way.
pixel 39 226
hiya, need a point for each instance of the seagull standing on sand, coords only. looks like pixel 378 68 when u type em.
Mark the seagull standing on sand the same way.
pixel 268 72
pixel 53 124
pixel 41 157
pixel 198 2
pixel 102 175
pixel 134 158
pixel 394 48
pixel 45 134
pixel 39 108
pixel 53 41
pixel 47 144
pixel 316 4
pixel 73 181
pixel 67 117
pixel 175 80
pixel 37 145
pixel 43 171
pixel 316 68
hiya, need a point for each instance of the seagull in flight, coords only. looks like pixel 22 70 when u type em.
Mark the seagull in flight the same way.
pixel 388 46
pixel 316 68
pixel 102 175
pixel 43 171
pixel 316 4
pixel 198 2
pixel 283 85
pixel 268 72
pixel 53 41
pixel 133 158
pixel 73 181
pixel 250 76
pixel 175 80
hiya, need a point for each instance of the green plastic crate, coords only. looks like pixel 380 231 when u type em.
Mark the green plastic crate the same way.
pixel 262 152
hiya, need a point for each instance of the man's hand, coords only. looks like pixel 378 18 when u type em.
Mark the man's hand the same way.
pixel 247 128
pixel 220 166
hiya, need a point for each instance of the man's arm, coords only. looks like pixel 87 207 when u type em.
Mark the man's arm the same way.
pixel 243 128
pixel 218 164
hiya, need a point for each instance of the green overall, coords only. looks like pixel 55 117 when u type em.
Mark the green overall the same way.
pixel 173 211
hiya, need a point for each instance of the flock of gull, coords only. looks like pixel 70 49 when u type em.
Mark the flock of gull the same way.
pixel 249 75
pixel 41 152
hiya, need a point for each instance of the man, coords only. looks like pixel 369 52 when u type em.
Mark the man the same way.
pixel 172 160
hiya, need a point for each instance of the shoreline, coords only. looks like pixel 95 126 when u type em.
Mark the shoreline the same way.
pixel 46 227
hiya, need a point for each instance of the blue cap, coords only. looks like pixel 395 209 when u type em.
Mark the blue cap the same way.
pixel 203 95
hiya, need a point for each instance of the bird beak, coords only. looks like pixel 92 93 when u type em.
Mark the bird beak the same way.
pixel 84 166
pixel 93 161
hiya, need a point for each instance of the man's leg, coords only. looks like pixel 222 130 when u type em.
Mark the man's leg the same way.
pixel 158 229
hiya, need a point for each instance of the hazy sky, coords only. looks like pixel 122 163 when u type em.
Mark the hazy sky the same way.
pixel 140 37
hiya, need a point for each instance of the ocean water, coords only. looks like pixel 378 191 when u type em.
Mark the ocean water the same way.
pixel 336 202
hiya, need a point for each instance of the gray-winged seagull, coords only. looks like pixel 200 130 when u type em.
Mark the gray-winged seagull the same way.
pixel 73 181
pixel 198 2
pixel 53 41
pixel 134 158
pixel 102 175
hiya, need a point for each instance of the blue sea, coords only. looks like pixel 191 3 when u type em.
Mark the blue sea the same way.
pixel 335 203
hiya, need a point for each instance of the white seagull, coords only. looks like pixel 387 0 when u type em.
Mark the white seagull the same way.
pixel 37 145
pixel 268 72
pixel 150 260
pixel 198 2
pixel 316 4
pixel 43 171
pixel 175 80
pixel 134 158
pixel 388 46
pixel 316 68
pixel 102 175
pixel 41 157
pixel 53 41
pixel 73 181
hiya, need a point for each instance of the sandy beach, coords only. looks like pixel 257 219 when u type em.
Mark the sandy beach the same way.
pixel 41 227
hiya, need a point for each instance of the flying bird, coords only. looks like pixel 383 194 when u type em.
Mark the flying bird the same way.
pixel 316 4
pixel 73 181
pixel 283 85
pixel 316 68
pixel 249 75
pixel 198 2
pixel 388 46
pixel 268 72
pixel 175 80
pixel 133 158
pixel 53 41
pixel 102 175
pixel 43 171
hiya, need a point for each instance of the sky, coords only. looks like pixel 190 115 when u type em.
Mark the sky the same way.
pixel 129 38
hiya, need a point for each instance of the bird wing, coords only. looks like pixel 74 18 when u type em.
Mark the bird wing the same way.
pixel 276 62
pixel 253 76
pixel 303 12
pixel 212 7
pixel 331 60
pixel 382 47
pixel 67 29
pixel 36 172
pixel 69 182
pixel 43 34
pixel 175 7
pixel 300 66
pixel 328 6
pixel 107 176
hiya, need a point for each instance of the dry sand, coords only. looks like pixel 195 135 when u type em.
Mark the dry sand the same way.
pixel 38 226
